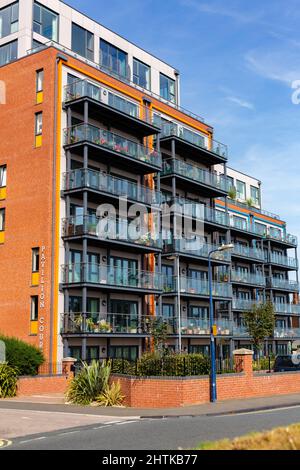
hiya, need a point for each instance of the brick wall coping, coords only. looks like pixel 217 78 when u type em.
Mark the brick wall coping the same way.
pixel 168 377
pixel 40 376
pixel 257 373
pixel 243 352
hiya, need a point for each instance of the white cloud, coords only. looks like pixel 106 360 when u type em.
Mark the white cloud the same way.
pixel 217 9
pixel 240 102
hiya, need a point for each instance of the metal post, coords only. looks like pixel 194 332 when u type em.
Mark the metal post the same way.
pixel 179 305
pixel 213 378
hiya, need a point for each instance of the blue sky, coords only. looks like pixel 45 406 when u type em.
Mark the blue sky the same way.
pixel 237 61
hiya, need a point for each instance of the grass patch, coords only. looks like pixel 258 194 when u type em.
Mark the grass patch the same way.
pixel 285 438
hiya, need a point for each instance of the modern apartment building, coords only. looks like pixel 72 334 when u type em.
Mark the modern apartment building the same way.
pixel 92 126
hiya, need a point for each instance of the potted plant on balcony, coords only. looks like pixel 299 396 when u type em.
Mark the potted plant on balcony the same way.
pixel 90 325
pixel 104 327
pixel 232 193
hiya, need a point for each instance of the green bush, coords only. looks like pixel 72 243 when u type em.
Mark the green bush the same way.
pixel 263 364
pixel 89 383
pixel 111 395
pixel 23 356
pixel 8 381
pixel 176 365
pixel 122 366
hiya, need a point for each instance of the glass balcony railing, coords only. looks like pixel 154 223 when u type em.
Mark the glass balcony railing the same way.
pixel 110 276
pixel 196 247
pixel 293 309
pixel 110 229
pixel 108 323
pixel 200 327
pixel 241 304
pixel 285 284
pixel 287 333
pixel 174 130
pixel 283 237
pixel 196 210
pixel 113 142
pixel 245 226
pixel 283 260
pixel 240 331
pixel 248 252
pixel 248 278
pixel 99 181
pixel 191 286
pixel 194 173
pixel 83 88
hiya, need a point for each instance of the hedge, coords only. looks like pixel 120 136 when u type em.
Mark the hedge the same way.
pixel 22 356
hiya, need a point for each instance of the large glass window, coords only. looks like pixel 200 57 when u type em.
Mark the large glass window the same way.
pixel 3 176
pixel 9 20
pixel 8 52
pixel 45 22
pixel 255 195
pixel 82 42
pixel 167 88
pixel 113 58
pixel 240 190
pixel 124 352
pixel 141 74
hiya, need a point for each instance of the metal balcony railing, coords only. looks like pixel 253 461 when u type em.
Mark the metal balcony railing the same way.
pixel 200 327
pixel 111 229
pixel 192 286
pixel 110 276
pixel 100 181
pixel 113 142
pixel 194 173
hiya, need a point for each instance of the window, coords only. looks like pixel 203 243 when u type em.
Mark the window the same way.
pixel 9 20
pixel 261 229
pixel 168 277
pixel 167 88
pixel 168 311
pixel 39 124
pixel 39 80
pixel 141 74
pixel 45 22
pixel 255 195
pixel 82 42
pixel 34 314
pixel 124 352
pixel 2 220
pixel 3 176
pixel 240 190
pixel 8 52
pixel 113 58
pixel 35 260
pixel 230 182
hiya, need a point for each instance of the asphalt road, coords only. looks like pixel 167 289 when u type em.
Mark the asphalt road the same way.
pixel 157 434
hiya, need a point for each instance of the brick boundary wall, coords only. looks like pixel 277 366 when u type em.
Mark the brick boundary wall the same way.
pixel 164 392
pixel 44 384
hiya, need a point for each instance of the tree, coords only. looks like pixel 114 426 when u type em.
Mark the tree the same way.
pixel 260 323
pixel 159 333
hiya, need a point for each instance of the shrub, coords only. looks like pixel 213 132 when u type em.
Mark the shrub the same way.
pixel 122 366
pixel 8 381
pixel 177 365
pixel 89 383
pixel 111 395
pixel 23 356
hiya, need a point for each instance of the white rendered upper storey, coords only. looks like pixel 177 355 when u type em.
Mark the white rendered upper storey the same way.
pixel 25 24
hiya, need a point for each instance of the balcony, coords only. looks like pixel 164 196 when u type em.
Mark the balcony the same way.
pixel 283 284
pixel 242 225
pixel 239 277
pixel 113 148
pixel 99 182
pixel 196 177
pixel 120 112
pixel 240 331
pixel 200 327
pixel 289 333
pixel 292 309
pixel 189 142
pixel 283 238
pixel 191 287
pixel 195 248
pixel 241 304
pixel 105 324
pixel 284 261
pixel 109 277
pixel 255 254
pixel 118 231
pixel 197 210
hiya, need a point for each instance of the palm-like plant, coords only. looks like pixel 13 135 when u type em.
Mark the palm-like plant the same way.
pixel 111 395
pixel 89 383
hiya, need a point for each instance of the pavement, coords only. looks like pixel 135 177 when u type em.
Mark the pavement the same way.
pixel 55 402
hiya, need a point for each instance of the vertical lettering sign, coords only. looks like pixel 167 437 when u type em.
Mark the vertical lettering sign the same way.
pixel 42 298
